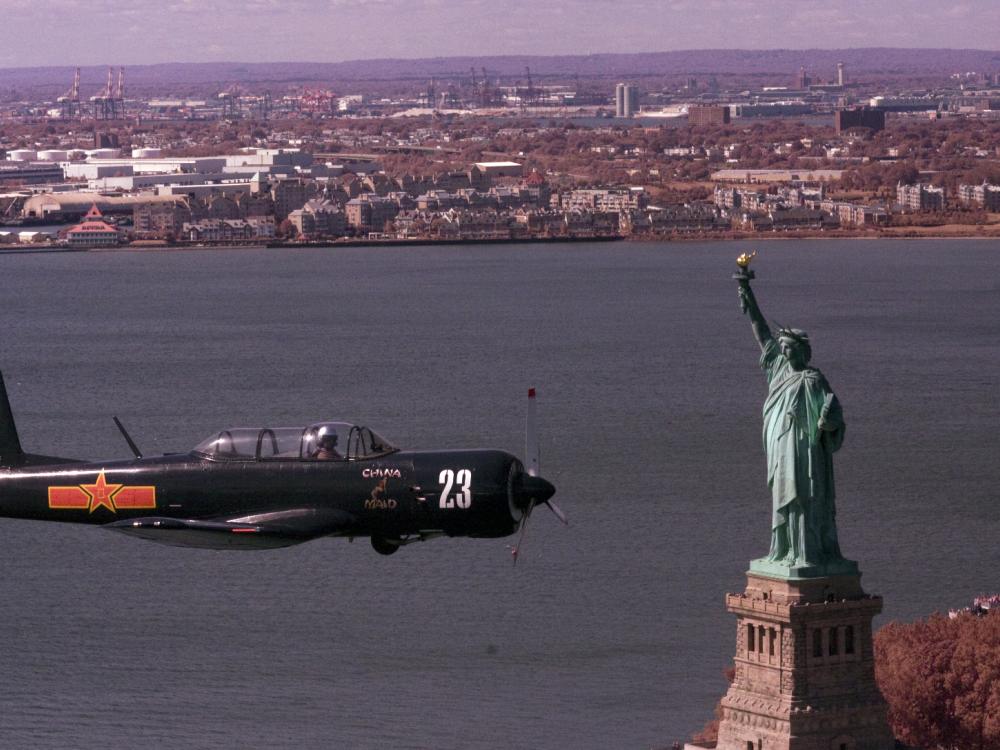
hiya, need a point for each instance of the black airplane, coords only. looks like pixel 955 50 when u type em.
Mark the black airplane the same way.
pixel 267 487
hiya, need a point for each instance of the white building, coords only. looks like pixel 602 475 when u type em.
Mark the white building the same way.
pixel 626 100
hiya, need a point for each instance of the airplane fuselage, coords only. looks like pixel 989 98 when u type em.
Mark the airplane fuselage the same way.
pixel 454 493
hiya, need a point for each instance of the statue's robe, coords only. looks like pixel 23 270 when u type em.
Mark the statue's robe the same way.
pixel 800 460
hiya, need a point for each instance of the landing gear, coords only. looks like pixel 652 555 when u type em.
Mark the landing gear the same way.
pixel 385 546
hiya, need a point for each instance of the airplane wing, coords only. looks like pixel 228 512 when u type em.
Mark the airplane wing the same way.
pixel 258 531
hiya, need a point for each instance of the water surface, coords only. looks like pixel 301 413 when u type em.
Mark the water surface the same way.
pixel 609 633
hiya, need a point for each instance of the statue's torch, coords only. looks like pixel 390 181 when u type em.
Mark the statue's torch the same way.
pixel 743 275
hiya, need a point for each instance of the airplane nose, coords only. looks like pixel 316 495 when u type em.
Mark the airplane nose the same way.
pixel 531 489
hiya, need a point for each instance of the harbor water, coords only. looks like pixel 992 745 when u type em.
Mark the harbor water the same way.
pixel 609 633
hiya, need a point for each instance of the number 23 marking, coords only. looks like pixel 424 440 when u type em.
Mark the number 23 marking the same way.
pixel 462 499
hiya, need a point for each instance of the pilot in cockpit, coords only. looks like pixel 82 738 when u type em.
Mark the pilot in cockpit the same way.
pixel 326 445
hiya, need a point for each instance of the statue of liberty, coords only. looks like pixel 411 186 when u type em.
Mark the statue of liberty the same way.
pixel 803 428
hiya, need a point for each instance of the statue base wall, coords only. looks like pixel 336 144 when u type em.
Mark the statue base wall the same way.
pixel 805 669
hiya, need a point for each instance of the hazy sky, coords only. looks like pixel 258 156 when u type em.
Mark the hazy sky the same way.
pixel 85 32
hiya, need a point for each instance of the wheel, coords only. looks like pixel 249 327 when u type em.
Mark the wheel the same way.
pixel 385 546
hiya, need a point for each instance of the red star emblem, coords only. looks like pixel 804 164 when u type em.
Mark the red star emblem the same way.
pixel 101 493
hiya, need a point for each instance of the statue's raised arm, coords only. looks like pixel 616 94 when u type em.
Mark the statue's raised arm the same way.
pixel 748 302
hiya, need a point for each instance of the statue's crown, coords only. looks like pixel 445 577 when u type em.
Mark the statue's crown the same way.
pixel 795 334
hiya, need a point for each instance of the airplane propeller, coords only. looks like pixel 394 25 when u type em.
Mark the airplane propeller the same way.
pixel 531 489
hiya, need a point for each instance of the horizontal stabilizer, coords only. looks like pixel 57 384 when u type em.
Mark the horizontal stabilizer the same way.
pixel 263 531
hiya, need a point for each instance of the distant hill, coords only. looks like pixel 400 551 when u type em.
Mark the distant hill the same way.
pixel 196 76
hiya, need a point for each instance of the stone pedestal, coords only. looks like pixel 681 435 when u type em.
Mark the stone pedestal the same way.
pixel 805 671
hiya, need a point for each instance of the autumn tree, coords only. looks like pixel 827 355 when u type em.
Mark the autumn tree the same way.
pixel 709 734
pixel 941 678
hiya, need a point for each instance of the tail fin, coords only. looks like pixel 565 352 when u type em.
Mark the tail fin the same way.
pixel 10 446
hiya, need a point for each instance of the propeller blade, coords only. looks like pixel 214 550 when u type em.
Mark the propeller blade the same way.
pixel 524 527
pixel 530 488
pixel 532 461
pixel 558 512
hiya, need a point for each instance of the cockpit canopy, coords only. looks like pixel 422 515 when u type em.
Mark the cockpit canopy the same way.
pixel 339 441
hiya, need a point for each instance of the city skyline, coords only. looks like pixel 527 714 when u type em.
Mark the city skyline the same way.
pixel 70 32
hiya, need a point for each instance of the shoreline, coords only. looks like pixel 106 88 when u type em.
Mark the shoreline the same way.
pixel 685 238
pixel 440 241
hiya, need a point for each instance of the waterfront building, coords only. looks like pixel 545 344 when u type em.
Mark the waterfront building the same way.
pixel 673 220
pixel 264 227
pixel 796 217
pixel 470 224
pixel 920 197
pixel 160 220
pixel 319 219
pixel 728 197
pixel 369 213
pixel 289 195
pixel 985 195
pixel 93 231
pixel 601 201
pixel 856 214
pixel 228 230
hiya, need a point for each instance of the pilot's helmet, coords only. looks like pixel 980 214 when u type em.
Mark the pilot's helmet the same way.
pixel 327 437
